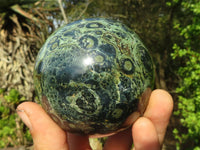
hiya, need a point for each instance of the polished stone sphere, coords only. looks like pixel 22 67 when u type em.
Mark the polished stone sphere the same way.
pixel 94 76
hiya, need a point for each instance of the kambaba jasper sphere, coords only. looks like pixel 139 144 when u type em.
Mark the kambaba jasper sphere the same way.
pixel 94 76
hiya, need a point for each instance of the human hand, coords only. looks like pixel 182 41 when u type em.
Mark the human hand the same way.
pixel 146 133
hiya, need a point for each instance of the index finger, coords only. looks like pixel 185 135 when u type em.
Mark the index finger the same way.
pixel 159 111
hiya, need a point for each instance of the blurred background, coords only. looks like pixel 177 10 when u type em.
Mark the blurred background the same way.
pixel 170 29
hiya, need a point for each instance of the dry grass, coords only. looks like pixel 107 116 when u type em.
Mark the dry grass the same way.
pixel 20 40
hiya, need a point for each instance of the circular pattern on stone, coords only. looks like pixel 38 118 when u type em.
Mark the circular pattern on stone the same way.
pixel 127 66
pixel 90 75
pixel 88 42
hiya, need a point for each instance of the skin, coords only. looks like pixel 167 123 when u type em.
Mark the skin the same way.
pixel 147 132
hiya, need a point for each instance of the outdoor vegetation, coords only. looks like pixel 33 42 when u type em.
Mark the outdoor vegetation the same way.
pixel 170 30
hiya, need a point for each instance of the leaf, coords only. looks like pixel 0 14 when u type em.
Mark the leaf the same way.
pixel 19 10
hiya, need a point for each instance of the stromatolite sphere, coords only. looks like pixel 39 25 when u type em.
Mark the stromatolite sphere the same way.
pixel 93 76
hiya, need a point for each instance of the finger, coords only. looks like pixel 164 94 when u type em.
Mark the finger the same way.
pixel 159 111
pixel 145 135
pixel 78 142
pixel 46 134
pixel 120 141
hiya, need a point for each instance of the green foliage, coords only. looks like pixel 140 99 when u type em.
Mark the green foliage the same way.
pixel 11 128
pixel 189 95
pixel 188 90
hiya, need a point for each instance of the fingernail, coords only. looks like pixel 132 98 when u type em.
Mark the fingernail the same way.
pixel 22 114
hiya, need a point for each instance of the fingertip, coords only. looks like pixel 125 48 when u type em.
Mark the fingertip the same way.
pixel 45 132
pixel 26 105
pixel 160 106
pixel 22 113
pixel 145 135
pixel 159 110
pixel 140 125
pixel 158 93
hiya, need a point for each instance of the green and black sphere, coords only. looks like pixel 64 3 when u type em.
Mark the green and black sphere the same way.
pixel 92 74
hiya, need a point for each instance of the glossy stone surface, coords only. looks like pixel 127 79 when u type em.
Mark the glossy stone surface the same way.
pixel 90 75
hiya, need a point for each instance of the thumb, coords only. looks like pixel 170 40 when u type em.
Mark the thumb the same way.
pixel 46 134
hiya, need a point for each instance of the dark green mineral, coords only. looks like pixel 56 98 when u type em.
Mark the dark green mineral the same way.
pixel 92 74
